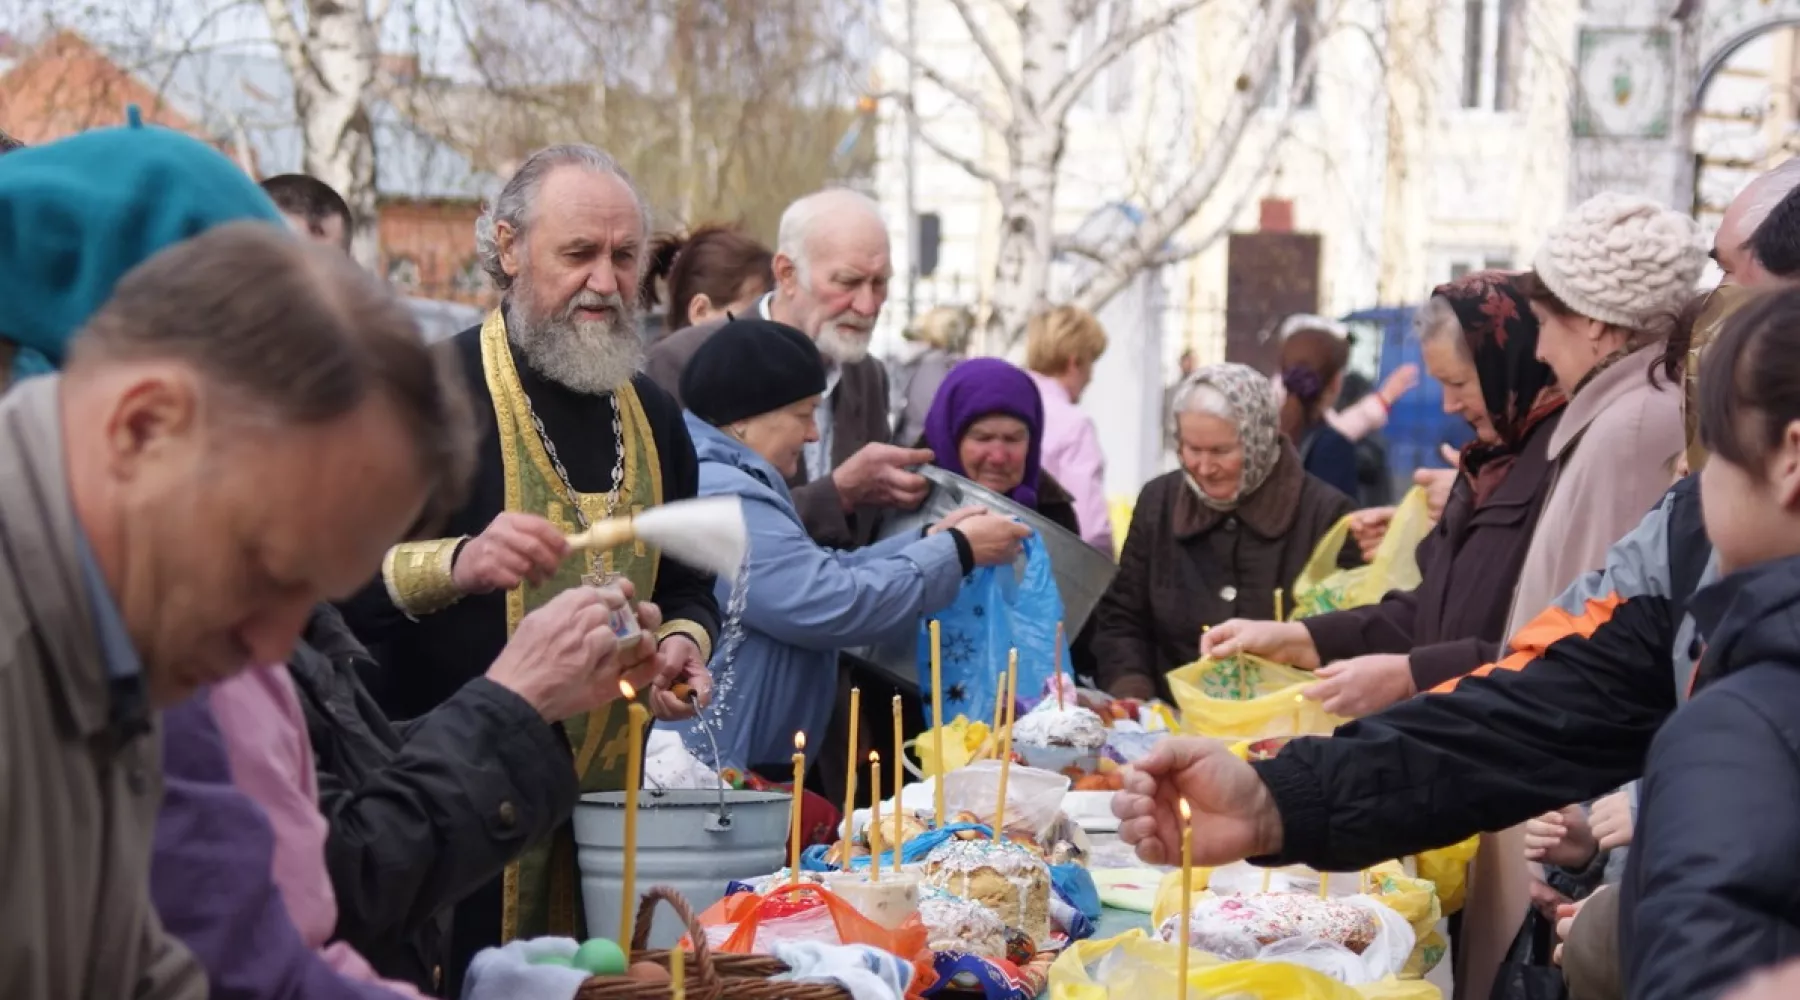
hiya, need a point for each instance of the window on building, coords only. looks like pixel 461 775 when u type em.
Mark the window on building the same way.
pixel 1490 53
pixel 1110 91
pixel 1296 47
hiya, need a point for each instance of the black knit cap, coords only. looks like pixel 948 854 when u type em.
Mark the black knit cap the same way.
pixel 750 367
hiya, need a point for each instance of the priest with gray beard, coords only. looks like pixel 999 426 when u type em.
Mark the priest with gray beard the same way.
pixel 570 434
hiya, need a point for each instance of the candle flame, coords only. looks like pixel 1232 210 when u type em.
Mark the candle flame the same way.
pixel 800 741
pixel 1187 814
pixel 627 690
pixel 1299 699
pixel 874 757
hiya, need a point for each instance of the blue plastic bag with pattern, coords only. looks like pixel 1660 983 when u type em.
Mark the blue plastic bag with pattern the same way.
pixel 998 609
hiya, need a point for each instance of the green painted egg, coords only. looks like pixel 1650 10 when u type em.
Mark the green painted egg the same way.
pixel 600 957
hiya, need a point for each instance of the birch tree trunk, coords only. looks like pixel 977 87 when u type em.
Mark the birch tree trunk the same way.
pixel 332 51
pixel 1036 84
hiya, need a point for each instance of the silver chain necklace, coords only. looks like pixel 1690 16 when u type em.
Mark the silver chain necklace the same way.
pixel 574 497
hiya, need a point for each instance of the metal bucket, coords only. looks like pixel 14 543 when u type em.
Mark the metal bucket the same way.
pixel 1082 572
pixel 683 842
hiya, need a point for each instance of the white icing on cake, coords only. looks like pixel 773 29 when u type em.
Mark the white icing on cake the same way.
pixel 964 856
pixel 956 924
pixel 1009 880
pixel 1071 726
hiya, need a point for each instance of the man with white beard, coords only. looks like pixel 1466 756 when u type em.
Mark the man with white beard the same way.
pixel 831 280
pixel 572 434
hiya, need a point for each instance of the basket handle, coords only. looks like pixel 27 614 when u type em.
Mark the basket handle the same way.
pixel 703 971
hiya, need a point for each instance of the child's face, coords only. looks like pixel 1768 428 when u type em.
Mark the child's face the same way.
pixel 1754 516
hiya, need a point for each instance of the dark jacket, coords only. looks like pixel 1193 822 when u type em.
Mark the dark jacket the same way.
pixel 1712 887
pixel 1455 619
pixel 424 813
pixel 859 416
pixel 212 876
pixel 1330 456
pixel 1186 565
pixel 1566 717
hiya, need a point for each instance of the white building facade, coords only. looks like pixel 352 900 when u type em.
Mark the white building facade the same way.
pixel 1435 138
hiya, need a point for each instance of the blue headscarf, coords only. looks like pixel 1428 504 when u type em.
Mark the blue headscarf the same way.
pixel 77 214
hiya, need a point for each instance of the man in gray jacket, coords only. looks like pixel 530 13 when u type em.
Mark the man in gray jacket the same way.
pixel 831 280
pixel 163 517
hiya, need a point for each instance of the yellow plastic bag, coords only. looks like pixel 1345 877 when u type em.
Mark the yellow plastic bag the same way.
pixel 1246 697
pixel 964 743
pixel 1147 968
pixel 1323 587
pixel 1448 869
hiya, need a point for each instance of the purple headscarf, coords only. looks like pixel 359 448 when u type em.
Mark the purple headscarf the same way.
pixel 983 387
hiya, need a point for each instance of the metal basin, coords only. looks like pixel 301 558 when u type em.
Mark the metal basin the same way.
pixel 683 842
pixel 1082 572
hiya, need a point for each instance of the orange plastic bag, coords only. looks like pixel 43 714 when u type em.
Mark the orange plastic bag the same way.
pixel 812 910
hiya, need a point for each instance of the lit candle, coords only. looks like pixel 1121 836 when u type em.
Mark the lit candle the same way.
pixel 1278 605
pixel 899 780
pixel 875 817
pixel 1012 701
pixel 634 776
pixel 1187 893
pixel 1299 704
pixel 1058 675
pixel 937 719
pixel 678 973
pixel 850 773
pixel 794 821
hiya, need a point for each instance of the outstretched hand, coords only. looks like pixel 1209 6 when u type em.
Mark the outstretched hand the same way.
pixel 1234 815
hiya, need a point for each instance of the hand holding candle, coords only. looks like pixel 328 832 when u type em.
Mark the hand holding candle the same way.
pixel 634 776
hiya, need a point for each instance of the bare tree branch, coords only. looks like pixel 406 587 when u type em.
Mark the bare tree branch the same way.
pixel 989 115
pixel 963 162
pixel 1149 242
pixel 985 42
pixel 1066 93
pixel 288 39
pixel 379 12
pixel 1070 246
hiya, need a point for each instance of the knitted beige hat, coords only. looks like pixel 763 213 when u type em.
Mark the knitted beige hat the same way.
pixel 1623 259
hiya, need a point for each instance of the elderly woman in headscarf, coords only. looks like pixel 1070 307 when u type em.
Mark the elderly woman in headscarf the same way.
pixel 1480 339
pixel 1213 540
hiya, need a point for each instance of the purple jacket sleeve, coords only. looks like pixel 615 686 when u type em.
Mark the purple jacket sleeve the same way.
pixel 211 879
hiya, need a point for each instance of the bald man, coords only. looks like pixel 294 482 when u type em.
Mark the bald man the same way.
pixel 831 279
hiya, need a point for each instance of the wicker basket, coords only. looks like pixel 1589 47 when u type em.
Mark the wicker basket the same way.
pixel 709 976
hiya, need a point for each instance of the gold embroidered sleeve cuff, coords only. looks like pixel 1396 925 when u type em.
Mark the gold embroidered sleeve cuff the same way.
pixel 689 630
pixel 418 575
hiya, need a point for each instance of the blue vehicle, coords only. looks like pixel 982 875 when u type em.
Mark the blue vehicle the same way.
pixel 1418 426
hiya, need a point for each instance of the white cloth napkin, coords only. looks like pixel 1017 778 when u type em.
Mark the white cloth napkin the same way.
pixel 506 973
pixel 867 973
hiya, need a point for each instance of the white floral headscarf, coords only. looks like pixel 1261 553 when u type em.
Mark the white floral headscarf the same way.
pixel 1252 404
